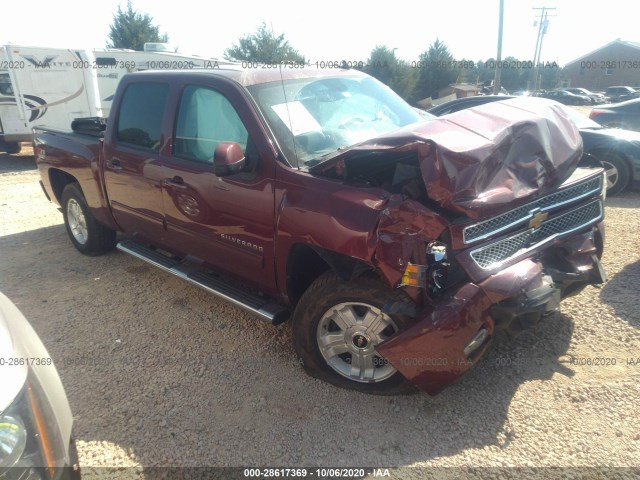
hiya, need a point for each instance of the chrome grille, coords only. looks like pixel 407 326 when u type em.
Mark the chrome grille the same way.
pixel 499 252
pixel 485 229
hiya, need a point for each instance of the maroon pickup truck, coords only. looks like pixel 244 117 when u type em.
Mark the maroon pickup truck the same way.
pixel 398 244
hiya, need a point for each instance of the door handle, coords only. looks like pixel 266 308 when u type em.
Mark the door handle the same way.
pixel 114 164
pixel 175 182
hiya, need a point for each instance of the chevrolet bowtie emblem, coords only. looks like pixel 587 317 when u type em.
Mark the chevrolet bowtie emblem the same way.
pixel 537 219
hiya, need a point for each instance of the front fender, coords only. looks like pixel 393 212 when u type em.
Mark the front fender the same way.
pixel 430 353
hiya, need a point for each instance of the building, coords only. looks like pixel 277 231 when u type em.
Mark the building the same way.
pixel 460 90
pixel 452 92
pixel 616 63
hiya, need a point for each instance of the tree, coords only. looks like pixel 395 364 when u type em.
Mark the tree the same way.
pixel 467 71
pixel 551 75
pixel 514 74
pixel 481 73
pixel 263 46
pixel 436 70
pixel 397 74
pixel 131 29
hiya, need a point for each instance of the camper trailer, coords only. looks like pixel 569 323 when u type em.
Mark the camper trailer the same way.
pixel 44 87
pixel 51 87
pixel 114 63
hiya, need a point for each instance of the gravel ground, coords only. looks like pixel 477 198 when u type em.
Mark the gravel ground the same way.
pixel 159 373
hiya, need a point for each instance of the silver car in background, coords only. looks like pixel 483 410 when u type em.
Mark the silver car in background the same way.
pixel 35 417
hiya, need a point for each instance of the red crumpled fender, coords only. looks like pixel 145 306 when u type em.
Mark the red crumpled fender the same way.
pixel 430 352
pixel 404 228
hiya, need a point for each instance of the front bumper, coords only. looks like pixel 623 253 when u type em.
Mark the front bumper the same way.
pixel 71 471
pixel 448 338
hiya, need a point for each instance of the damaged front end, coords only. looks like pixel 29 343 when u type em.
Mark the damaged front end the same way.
pixel 489 225
pixel 451 333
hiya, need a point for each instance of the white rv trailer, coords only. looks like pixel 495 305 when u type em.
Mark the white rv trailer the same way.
pixel 50 87
pixel 114 63
pixel 44 86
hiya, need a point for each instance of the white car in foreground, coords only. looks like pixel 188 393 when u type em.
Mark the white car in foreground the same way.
pixel 35 417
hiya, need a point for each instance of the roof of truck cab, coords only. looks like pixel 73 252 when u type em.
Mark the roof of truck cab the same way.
pixel 254 76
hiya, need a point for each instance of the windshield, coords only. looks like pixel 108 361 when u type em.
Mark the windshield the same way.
pixel 314 117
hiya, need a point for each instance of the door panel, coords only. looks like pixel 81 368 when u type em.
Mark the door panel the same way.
pixel 225 221
pixel 133 186
pixel 133 173
pixel 212 218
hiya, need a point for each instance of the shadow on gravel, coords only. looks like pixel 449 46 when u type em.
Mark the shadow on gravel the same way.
pixel 159 372
pixel 621 293
pixel 628 199
pixel 16 163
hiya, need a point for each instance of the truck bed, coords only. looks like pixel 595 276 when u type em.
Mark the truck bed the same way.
pixel 61 153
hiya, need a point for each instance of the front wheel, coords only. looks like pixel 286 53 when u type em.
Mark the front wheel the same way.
pixel 86 234
pixel 336 327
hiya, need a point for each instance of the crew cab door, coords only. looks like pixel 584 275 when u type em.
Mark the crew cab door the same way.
pixel 132 171
pixel 225 221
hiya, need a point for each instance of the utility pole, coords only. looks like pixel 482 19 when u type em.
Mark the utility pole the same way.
pixel 542 30
pixel 496 80
pixel 532 77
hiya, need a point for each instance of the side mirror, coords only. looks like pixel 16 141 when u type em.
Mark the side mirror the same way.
pixel 228 159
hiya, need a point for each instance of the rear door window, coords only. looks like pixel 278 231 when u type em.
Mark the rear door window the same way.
pixel 141 112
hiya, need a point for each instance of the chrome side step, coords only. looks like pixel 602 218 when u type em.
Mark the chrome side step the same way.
pixel 265 309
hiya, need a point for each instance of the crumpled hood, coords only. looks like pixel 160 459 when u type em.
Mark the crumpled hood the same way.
pixel 489 158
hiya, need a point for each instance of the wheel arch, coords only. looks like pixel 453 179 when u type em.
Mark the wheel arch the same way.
pixel 306 262
pixel 60 179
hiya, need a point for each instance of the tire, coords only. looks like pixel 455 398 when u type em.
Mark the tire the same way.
pixel 618 173
pixel 13 147
pixel 315 318
pixel 86 234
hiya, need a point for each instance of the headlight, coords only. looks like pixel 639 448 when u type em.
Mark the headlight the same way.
pixel 433 275
pixel 604 185
pixel 30 445
pixel 437 266
pixel 13 439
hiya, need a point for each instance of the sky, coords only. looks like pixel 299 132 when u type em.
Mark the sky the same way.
pixel 330 30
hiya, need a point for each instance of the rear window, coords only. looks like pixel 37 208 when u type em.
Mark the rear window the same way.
pixel 141 113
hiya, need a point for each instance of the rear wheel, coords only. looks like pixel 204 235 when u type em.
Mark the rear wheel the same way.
pixel 618 174
pixel 336 327
pixel 86 234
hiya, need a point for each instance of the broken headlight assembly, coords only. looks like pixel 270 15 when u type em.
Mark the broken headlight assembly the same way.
pixel 437 267
pixel 432 276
